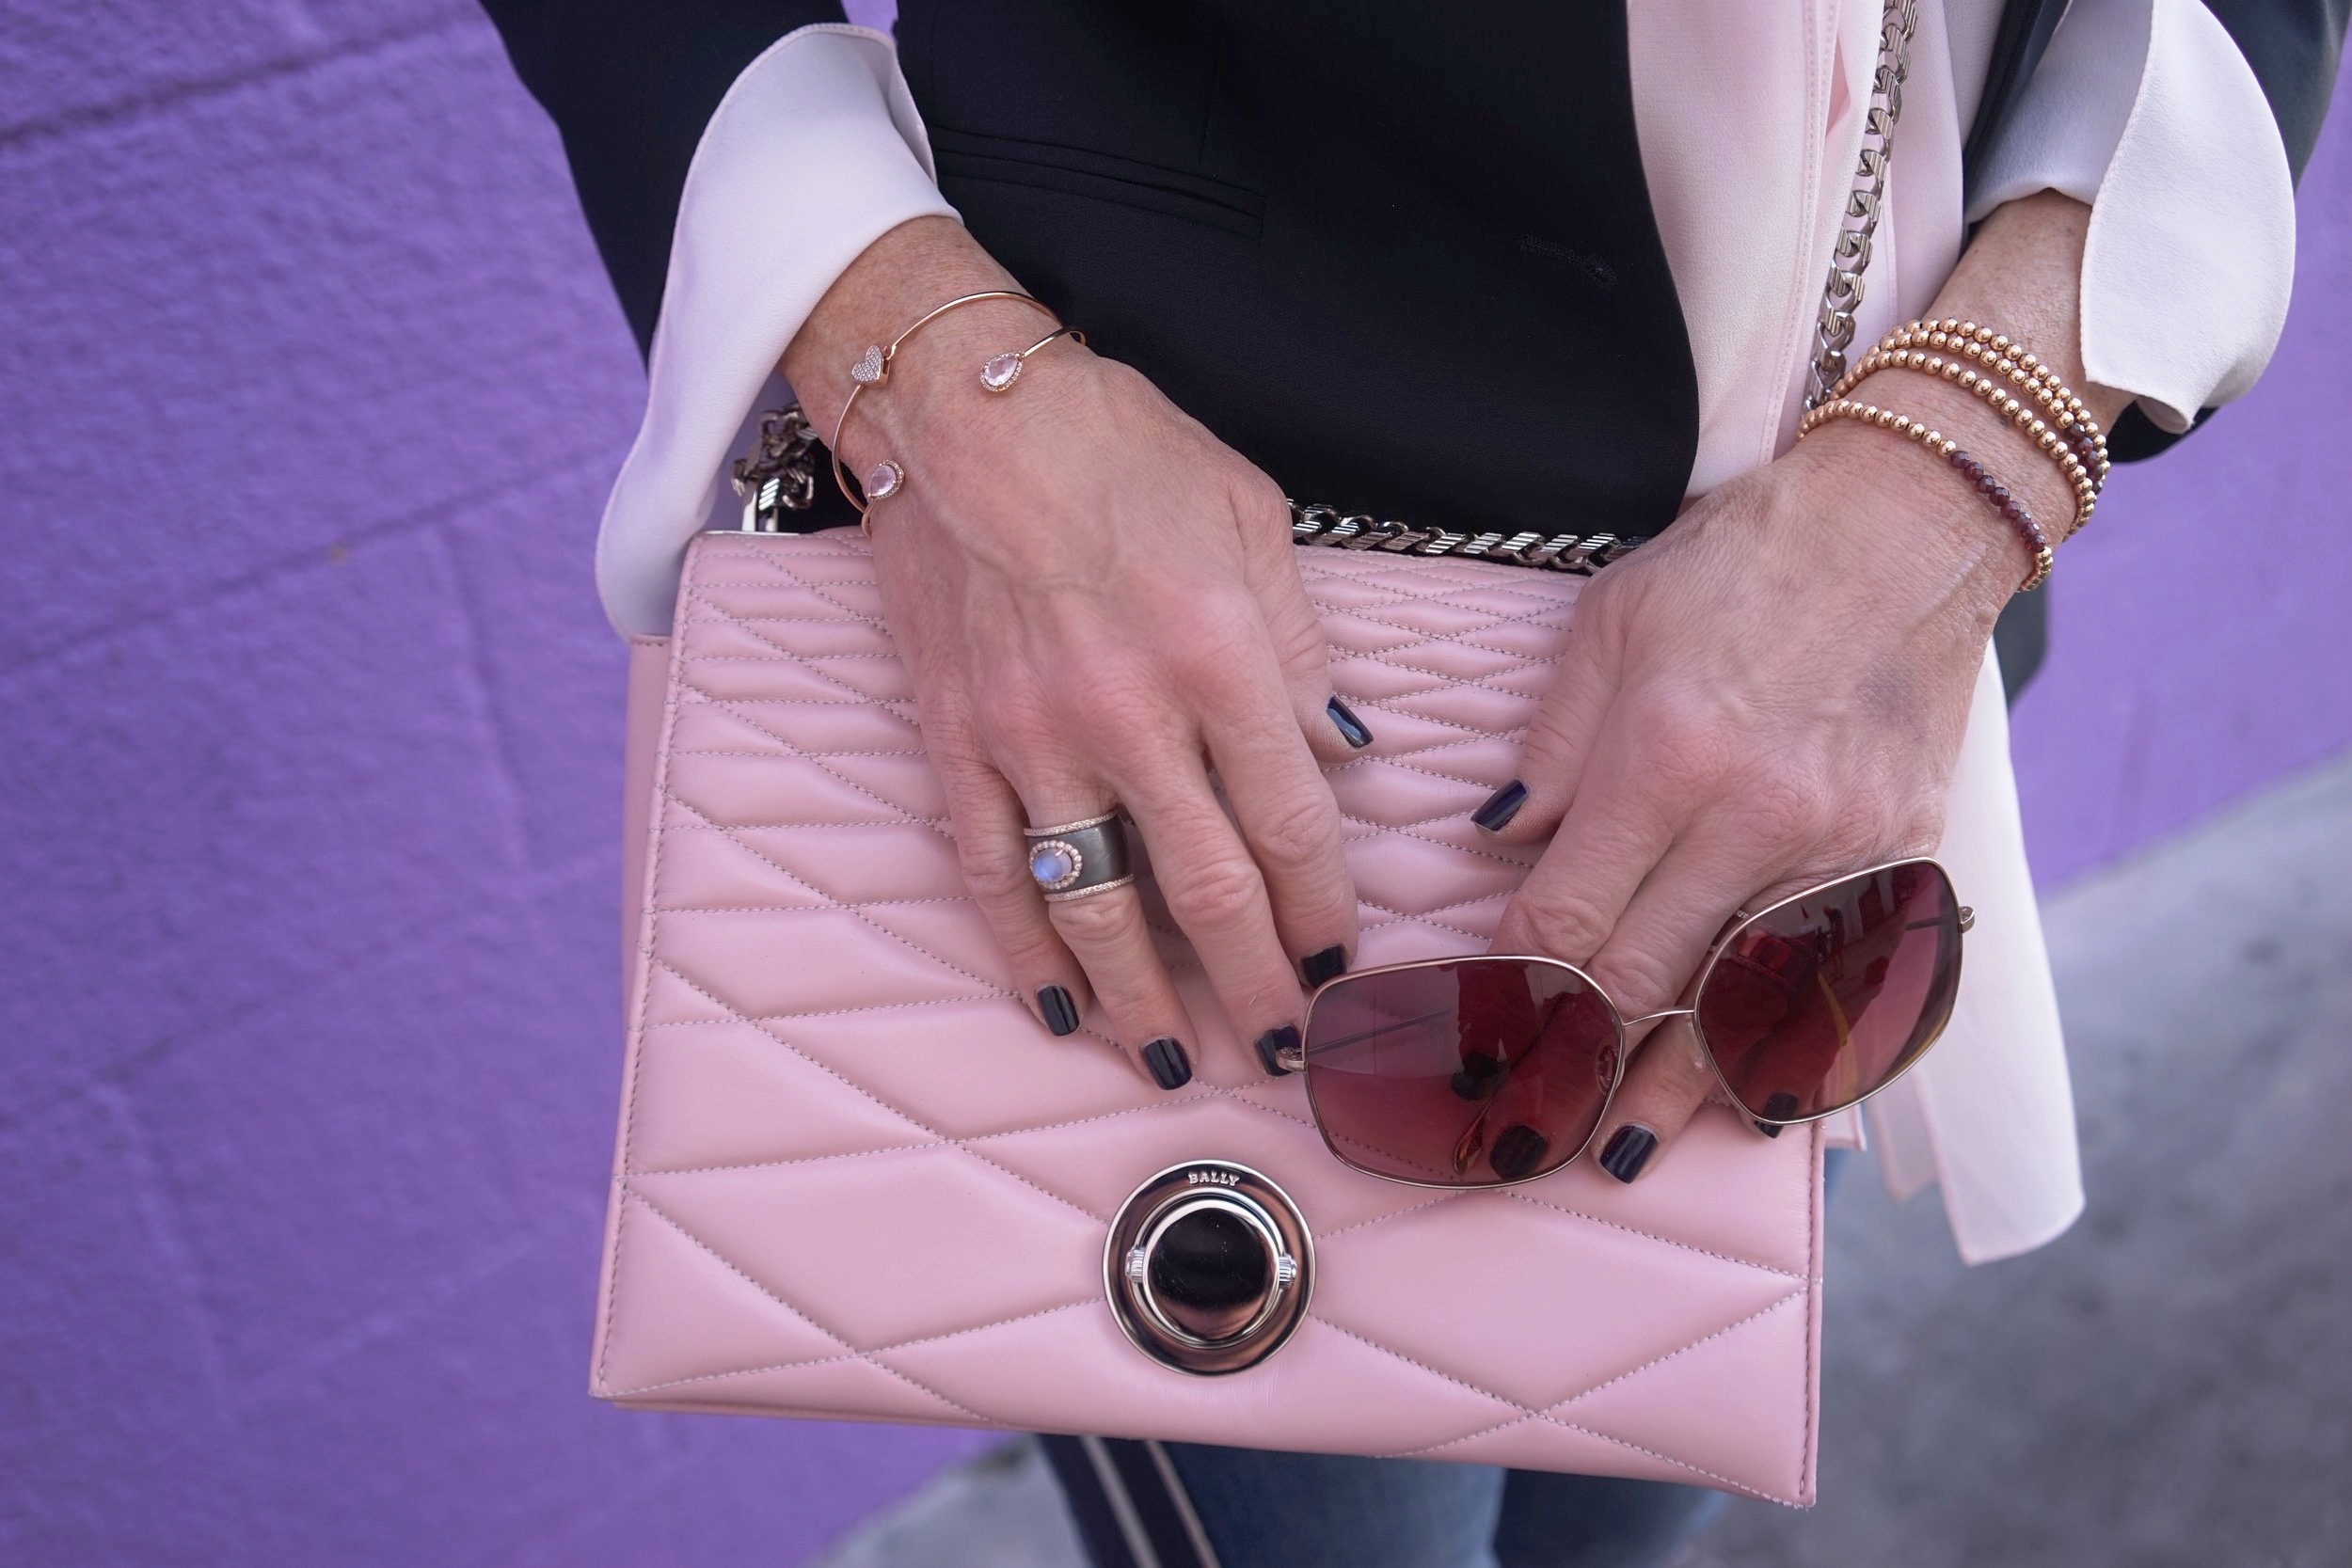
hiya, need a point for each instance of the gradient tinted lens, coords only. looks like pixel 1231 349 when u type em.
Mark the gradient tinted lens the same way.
pixel 1816 1004
pixel 1461 1075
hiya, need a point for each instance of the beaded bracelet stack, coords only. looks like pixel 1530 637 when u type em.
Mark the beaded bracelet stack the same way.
pixel 1987 364
pixel 2012 511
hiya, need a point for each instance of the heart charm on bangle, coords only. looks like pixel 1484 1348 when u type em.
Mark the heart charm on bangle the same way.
pixel 870 367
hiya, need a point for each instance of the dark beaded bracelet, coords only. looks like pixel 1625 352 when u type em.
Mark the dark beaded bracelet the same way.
pixel 2012 511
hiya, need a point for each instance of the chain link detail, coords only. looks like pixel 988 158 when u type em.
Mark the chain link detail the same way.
pixel 1584 553
pixel 1834 332
pixel 780 475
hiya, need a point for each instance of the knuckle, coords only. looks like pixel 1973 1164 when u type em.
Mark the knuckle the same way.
pixel 1641 982
pixel 1686 746
pixel 1299 835
pixel 1017 721
pixel 1109 694
pixel 1096 922
pixel 1218 891
pixel 1215 640
pixel 996 874
pixel 1786 806
pixel 1030 951
pixel 1261 502
pixel 1564 925
pixel 954 740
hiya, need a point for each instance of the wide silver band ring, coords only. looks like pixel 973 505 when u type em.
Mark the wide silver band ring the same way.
pixel 1078 859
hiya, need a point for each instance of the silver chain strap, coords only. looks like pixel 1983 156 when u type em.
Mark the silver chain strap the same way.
pixel 1559 552
pixel 780 475
pixel 1833 333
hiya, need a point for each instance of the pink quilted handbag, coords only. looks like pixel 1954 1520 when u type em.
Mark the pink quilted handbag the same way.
pixel 856 1179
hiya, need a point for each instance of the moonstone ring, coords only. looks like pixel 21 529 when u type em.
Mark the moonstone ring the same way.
pixel 1078 859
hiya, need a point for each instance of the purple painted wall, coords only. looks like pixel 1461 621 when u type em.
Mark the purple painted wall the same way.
pixel 309 389
pixel 2202 638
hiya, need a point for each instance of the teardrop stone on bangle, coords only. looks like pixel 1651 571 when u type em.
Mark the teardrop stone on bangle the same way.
pixel 883 479
pixel 1001 371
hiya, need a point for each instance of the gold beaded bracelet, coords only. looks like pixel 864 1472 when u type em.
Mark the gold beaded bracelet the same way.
pixel 2011 358
pixel 2067 436
pixel 2005 359
pixel 2036 429
pixel 2058 435
pixel 1997 494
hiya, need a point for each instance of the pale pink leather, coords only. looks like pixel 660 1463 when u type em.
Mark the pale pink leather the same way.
pixel 856 1179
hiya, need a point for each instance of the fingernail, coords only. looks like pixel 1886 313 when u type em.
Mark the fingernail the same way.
pixel 1171 1068
pixel 1319 967
pixel 1273 1044
pixel 1350 727
pixel 1520 1150
pixel 1503 805
pixel 1628 1150
pixel 1060 1013
pixel 1780 1108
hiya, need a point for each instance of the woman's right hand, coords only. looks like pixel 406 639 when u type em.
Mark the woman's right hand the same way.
pixel 1097 603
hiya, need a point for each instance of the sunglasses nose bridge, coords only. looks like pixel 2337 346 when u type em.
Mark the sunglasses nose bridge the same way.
pixel 1669 1012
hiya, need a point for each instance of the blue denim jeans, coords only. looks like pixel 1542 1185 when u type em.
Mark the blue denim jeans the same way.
pixel 1316 1510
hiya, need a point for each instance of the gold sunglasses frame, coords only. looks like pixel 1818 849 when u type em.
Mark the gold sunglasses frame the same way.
pixel 1295 1060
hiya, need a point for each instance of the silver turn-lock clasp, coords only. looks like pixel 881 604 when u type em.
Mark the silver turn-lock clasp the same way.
pixel 1208 1267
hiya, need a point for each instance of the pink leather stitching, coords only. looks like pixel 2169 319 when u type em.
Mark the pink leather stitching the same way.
pixel 852 1351
pixel 1528 1413
pixel 1519 1195
pixel 944 1140
pixel 1548 1413
pixel 851 1356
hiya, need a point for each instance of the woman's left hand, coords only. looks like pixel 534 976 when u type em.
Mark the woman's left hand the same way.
pixel 1769 695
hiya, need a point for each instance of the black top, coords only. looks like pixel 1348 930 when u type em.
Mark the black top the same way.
pixel 1308 223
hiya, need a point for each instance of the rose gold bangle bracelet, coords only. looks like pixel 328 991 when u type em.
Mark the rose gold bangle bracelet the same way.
pixel 998 374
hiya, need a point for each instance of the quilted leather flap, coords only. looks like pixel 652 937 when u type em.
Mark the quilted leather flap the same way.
pixel 856 1179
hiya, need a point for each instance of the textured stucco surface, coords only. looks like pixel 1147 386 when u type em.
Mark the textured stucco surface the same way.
pixel 309 392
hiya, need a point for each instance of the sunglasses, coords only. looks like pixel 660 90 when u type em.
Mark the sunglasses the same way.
pixel 1491 1070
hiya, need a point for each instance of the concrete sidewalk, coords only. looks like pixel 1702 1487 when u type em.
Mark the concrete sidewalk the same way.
pixel 2168 1383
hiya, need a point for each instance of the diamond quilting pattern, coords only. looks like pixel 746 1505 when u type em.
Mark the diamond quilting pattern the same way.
pixel 856 1179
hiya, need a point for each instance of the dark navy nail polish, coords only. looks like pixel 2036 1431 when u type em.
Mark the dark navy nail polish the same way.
pixel 1503 805
pixel 1060 1013
pixel 1780 1108
pixel 1319 967
pixel 1273 1044
pixel 1519 1151
pixel 1769 1129
pixel 1350 727
pixel 1628 1150
pixel 1171 1068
